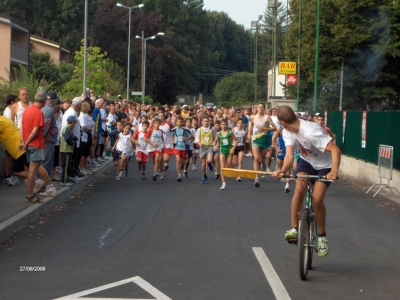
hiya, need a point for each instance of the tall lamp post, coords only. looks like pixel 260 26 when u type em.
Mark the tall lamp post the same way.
pixel 274 4
pixel 144 40
pixel 85 49
pixel 129 43
pixel 315 103
pixel 256 25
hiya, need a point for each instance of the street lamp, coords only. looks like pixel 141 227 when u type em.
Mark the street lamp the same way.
pixel 274 5
pixel 129 42
pixel 144 40
pixel 256 25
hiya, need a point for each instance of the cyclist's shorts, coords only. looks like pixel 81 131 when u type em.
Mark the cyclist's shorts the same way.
pixel 305 167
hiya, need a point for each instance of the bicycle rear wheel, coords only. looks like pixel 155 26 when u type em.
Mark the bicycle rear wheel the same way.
pixel 304 243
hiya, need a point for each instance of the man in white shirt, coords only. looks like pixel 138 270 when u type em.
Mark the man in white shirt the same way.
pixel 318 156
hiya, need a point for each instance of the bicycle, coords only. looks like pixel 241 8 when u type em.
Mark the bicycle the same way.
pixel 307 228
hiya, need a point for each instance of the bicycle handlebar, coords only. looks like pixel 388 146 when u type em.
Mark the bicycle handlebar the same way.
pixel 318 177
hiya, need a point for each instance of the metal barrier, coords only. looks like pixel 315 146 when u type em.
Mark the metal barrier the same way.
pixel 385 168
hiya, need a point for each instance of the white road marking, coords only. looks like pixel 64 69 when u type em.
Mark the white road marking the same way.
pixel 137 280
pixel 103 237
pixel 272 277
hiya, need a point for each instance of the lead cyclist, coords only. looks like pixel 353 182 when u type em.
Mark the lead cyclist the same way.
pixel 318 156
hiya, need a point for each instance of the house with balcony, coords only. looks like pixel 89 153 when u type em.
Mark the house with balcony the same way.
pixel 56 51
pixel 14 46
pixel 17 43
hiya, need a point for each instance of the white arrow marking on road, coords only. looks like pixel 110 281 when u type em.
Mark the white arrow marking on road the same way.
pixel 137 280
pixel 272 277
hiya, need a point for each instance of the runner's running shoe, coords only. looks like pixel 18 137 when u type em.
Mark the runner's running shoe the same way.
pixel 204 180
pixel 211 167
pixel 257 183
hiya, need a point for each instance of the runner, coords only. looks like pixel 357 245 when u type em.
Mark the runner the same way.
pixel 260 125
pixel 189 146
pixel 141 148
pixel 227 143
pixel 166 127
pixel 240 133
pixel 179 137
pixel 280 152
pixel 123 147
pixel 155 145
pixel 318 156
pixel 217 166
pixel 205 137
pixel 196 147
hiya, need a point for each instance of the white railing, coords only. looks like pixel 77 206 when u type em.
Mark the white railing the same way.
pixel 19 52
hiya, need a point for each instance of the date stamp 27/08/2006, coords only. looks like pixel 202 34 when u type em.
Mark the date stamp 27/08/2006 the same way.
pixel 31 269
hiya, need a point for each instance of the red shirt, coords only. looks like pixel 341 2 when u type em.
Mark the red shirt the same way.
pixel 33 117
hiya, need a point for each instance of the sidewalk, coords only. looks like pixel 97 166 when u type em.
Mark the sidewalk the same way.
pixel 15 214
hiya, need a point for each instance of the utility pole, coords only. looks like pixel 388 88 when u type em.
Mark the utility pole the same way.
pixel 315 104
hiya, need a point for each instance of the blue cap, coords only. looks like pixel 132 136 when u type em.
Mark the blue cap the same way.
pixel 71 119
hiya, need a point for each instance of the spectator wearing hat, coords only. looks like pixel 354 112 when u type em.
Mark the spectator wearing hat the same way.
pixel 185 112
pixel 76 156
pixel 32 141
pixel 50 131
pixel 67 146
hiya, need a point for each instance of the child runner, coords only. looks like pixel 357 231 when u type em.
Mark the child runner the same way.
pixel 195 145
pixel 166 128
pixel 205 137
pixel 227 144
pixel 155 145
pixel 114 136
pixel 189 145
pixel 141 148
pixel 240 133
pixel 217 127
pixel 179 137
pixel 281 152
pixel 123 146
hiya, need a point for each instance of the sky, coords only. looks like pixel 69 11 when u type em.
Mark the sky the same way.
pixel 240 11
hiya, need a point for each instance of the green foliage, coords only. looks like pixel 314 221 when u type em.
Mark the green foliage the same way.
pixel 147 99
pixel 102 73
pixel 41 66
pixel 235 89
pixel 21 78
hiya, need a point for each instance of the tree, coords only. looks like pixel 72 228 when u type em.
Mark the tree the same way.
pixel 235 89
pixel 102 73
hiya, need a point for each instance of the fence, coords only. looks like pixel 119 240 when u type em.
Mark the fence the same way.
pixel 381 128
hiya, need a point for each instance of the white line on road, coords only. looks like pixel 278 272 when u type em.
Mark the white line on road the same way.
pixel 137 280
pixel 103 237
pixel 272 277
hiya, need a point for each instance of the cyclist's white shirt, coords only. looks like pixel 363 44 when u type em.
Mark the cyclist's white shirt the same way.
pixel 310 142
pixel 239 134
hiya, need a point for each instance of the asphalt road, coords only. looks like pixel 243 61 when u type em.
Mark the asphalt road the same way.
pixel 188 241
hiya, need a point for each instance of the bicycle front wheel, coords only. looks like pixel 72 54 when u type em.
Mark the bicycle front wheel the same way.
pixel 304 243
pixel 313 236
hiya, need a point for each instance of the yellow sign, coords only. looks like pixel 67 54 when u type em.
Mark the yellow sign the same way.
pixel 287 67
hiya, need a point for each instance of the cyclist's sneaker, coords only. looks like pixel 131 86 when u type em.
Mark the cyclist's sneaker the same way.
pixel 211 167
pixel 291 234
pixel 166 167
pixel 323 248
pixel 257 183
pixel 204 180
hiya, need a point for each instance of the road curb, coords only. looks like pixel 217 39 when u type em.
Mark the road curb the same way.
pixel 21 220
